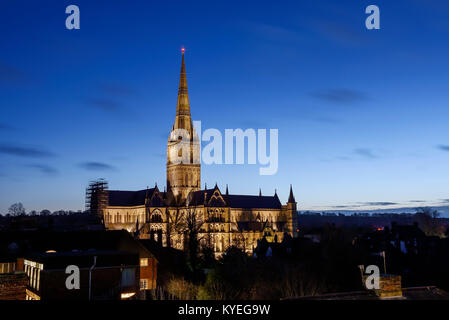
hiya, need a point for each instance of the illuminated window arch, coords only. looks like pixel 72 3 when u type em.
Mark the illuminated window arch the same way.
pixel 156 216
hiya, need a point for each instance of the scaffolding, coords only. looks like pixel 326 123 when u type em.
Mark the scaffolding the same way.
pixel 97 197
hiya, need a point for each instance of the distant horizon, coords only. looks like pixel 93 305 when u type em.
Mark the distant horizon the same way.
pixel 443 210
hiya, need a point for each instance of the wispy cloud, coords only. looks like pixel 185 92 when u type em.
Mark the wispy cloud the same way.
pixel 6 127
pixel 361 152
pixel 335 29
pixel 11 75
pixel 443 147
pixel 365 152
pixel 341 206
pixel 46 169
pixel 96 166
pixel 274 32
pixel 104 104
pixel 339 31
pixel 357 205
pixel 378 203
pixel 25 152
pixel 116 90
pixel 340 96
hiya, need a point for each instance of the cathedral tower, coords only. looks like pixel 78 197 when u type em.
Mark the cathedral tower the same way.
pixel 183 148
pixel 292 214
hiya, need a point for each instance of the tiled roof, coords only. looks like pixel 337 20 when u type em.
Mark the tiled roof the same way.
pixel 84 259
pixel 137 198
pixel 128 198
pixel 256 202
pixel 238 201
pixel 197 197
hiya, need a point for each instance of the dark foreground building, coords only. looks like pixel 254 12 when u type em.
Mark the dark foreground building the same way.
pixel 119 266
pixel 103 275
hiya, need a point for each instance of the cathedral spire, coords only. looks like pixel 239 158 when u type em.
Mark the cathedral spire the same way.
pixel 183 119
pixel 183 146
pixel 291 197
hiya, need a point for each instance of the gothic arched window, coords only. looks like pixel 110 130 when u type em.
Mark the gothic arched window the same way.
pixel 156 216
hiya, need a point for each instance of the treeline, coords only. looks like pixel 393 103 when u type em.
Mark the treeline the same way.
pixel 354 214
pixel 17 210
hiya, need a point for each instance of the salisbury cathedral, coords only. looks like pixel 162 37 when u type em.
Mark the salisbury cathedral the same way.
pixel 219 219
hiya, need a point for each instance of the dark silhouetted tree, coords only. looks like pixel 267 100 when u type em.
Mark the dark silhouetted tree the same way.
pixel 16 209
pixel 429 223
pixel 45 212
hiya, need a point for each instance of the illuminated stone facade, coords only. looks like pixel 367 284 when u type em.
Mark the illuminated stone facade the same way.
pixel 220 219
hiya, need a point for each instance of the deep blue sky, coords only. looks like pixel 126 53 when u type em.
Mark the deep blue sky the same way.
pixel 362 115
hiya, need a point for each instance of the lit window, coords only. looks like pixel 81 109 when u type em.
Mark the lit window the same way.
pixel 33 277
pixel 144 262
pixel 143 284
pixel 38 279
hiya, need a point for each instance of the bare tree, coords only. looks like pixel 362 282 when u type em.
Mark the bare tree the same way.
pixel 193 226
pixel 239 240
pixel 45 212
pixel 247 221
pixel 429 223
pixel 16 209
pixel 182 289
pixel 188 224
pixel 175 225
